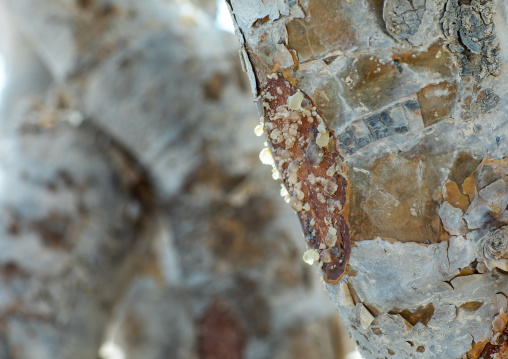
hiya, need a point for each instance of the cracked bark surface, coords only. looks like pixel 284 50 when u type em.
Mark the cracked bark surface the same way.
pixel 414 96
pixel 181 237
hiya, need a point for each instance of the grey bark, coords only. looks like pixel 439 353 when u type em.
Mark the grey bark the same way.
pixel 149 122
pixel 415 96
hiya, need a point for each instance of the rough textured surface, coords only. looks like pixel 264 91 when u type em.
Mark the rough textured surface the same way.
pixel 223 255
pixel 307 159
pixel 402 17
pixel 416 95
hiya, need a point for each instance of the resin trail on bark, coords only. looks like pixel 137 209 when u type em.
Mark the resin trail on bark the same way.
pixel 304 150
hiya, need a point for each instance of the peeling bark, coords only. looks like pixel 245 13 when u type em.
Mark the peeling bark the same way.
pixel 413 97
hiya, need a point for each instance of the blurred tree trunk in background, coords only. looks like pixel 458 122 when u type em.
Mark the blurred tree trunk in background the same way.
pixel 134 208
pixel 412 96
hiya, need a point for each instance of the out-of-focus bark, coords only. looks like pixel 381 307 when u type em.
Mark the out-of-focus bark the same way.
pixel 25 73
pixel 76 212
pixel 412 97
pixel 222 275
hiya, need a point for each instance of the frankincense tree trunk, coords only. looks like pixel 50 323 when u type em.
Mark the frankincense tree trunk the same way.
pixel 386 121
pixel 132 204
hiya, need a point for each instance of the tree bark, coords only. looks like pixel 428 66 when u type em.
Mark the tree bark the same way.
pixel 386 122
pixel 149 106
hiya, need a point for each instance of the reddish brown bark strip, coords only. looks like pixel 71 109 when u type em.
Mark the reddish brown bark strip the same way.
pixel 221 334
pixel 495 351
pixel 306 156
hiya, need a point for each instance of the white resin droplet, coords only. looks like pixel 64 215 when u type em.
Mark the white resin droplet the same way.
pixel 311 256
pixel 258 130
pixel 266 157
pixel 295 101
pixel 331 237
pixel 322 139
pixel 275 174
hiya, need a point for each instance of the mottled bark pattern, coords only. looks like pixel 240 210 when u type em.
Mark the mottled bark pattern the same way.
pixel 416 94
pixel 221 274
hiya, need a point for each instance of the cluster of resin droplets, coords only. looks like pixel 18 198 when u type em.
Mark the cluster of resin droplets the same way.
pixel 302 151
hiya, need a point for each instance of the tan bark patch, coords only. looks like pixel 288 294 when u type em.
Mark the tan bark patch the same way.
pixel 395 201
pixel 436 58
pixel 437 101
pixel 324 29
pixel 420 315
pixel 453 195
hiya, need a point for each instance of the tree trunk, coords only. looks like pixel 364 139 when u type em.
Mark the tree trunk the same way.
pixel 387 124
pixel 164 236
